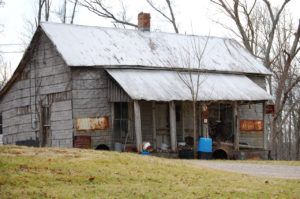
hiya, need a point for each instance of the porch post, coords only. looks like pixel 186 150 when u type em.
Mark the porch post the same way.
pixel 265 126
pixel 137 124
pixel 173 126
pixel 236 126
pixel 182 119
pixel 205 120
pixel 154 125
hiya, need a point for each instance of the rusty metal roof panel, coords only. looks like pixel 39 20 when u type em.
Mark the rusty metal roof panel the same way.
pixel 98 46
pixel 162 85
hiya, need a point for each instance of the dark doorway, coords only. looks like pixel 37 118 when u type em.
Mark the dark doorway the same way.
pixel 121 117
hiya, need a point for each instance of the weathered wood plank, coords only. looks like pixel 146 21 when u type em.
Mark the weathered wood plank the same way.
pixel 62 134
pixel 88 103
pixel 90 84
pixel 173 137
pixel 236 126
pixel 154 139
pixel 137 123
pixel 61 115
pixel 56 88
pixel 61 106
pixel 61 125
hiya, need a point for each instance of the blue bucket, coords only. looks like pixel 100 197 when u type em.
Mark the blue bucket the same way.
pixel 145 153
pixel 205 145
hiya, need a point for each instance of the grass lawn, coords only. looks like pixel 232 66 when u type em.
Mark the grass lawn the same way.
pixel 74 173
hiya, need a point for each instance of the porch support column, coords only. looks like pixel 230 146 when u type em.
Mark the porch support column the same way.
pixel 173 126
pixel 154 125
pixel 265 126
pixel 205 120
pixel 236 126
pixel 137 124
pixel 182 119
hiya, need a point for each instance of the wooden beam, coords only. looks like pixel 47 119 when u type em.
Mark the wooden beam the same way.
pixel 204 121
pixel 138 127
pixel 172 112
pixel 182 119
pixel 236 126
pixel 265 126
pixel 154 126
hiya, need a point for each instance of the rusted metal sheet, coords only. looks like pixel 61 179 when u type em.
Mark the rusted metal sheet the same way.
pixel 92 123
pixel 251 125
pixel 83 142
pixel 270 109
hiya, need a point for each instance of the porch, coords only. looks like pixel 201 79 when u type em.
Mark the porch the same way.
pixel 153 106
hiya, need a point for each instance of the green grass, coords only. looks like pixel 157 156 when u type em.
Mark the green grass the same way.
pixel 73 173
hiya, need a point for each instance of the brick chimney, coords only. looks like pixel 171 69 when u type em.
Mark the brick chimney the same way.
pixel 144 21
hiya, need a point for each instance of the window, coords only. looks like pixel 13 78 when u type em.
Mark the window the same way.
pixel 120 120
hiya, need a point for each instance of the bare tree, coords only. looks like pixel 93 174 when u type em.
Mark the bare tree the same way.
pixel 190 71
pixel 64 14
pixel 161 10
pixel 46 4
pixel 258 25
pixel 73 11
pixel 101 9
pixel 5 72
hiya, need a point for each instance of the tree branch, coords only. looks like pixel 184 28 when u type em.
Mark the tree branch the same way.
pixel 171 19
pixel 103 11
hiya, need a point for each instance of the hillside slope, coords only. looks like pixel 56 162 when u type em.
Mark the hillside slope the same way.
pixel 74 173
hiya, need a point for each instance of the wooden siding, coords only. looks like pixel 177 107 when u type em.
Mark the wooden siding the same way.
pixel 89 94
pixel 45 80
pixel 253 111
pixel 252 138
pixel 116 93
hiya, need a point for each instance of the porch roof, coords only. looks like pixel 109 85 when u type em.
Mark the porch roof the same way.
pixel 162 85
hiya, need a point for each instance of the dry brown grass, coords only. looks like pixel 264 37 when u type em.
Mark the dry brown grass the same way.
pixel 73 173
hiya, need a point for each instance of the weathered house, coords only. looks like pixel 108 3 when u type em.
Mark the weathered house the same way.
pixel 118 86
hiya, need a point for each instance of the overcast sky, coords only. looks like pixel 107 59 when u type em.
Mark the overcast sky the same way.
pixel 193 17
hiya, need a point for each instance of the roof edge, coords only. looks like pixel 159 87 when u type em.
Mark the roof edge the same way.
pixel 142 67
pixel 26 56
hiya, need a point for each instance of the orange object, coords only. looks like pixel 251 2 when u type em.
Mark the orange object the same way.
pixel 251 125
pixel 92 123
pixel 205 112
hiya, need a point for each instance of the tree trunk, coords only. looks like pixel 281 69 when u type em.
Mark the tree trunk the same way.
pixel 297 133
pixel 195 129
pixel 273 138
pixel 73 12
pixel 290 139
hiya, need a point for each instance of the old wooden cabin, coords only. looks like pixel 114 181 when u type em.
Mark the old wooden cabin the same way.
pixel 91 86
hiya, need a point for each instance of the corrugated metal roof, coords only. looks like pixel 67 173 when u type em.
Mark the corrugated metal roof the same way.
pixel 162 85
pixel 97 46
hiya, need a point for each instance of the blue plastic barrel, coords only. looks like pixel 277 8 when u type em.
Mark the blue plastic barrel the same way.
pixel 205 145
